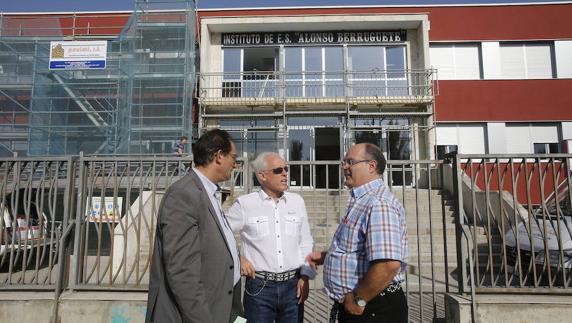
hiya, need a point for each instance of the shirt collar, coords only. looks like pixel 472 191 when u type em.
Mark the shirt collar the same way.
pixel 360 191
pixel 209 186
pixel 264 196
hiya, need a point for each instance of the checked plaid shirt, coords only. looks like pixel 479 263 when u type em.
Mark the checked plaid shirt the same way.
pixel 374 228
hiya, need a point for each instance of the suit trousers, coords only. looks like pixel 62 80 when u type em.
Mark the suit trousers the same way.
pixel 390 308
pixel 236 309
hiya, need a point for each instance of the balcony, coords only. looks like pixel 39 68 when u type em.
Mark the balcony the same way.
pixel 411 87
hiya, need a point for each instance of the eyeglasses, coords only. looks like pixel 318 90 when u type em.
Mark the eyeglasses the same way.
pixel 278 170
pixel 352 162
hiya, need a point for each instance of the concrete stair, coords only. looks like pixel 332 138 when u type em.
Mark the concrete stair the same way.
pixel 430 226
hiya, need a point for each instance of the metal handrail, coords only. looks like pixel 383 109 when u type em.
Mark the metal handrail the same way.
pixel 280 85
pixel 507 240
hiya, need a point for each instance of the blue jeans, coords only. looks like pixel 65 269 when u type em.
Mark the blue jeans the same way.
pixel 269 301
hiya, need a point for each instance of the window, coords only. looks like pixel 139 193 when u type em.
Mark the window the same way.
pixel 232 67
pixel 377 70
pixel 334 68
pixel 456 61
pixel 313 71
pixel 366 58
pixel 546 148
pixel 526 60
pixel 250 72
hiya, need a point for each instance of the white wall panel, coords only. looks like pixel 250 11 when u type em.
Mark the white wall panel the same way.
pixel 470 138
pixel 544 133
pixel 566 130
pixel 518 140
pixel 496 137
pixel 563 53
pixel 447 134
pixel 491 60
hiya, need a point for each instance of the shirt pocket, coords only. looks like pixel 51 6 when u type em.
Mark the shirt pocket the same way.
pixel 259 224
pixel 348 237
pixel 293 225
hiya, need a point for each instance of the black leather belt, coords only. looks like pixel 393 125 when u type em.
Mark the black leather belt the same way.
pixel 277 277
pixel 392 288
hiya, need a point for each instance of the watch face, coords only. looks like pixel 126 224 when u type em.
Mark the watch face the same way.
pixel 361 302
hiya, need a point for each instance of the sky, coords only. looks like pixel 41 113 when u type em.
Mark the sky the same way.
pixel 116 5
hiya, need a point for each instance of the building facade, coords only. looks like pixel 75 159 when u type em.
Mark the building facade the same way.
pixel 310 81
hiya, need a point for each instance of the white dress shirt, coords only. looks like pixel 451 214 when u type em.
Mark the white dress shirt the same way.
pixel 275 236
pixel 212 189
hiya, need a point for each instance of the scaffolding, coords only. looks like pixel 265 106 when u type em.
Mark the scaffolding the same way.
pixel 139 104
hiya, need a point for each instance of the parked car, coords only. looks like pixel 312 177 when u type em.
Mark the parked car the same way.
pixel 544 236
pixel 18 232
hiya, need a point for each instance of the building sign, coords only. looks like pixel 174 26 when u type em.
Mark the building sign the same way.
pixel 311 38
pixel 104 209
pixel 78 55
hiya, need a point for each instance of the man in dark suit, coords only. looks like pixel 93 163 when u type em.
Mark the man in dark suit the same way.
pixel 195 271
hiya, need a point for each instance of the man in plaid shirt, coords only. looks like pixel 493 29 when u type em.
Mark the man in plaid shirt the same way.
pixel 365 264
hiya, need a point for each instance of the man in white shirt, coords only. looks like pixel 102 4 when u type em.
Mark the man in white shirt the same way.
pixel 275 237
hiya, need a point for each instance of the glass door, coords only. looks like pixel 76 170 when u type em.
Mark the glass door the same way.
pixel 327 148
pixel 300 149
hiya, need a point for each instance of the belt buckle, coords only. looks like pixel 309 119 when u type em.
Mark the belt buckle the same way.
pixel 277 277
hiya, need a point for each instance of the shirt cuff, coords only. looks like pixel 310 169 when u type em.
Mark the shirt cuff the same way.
pixel 308 271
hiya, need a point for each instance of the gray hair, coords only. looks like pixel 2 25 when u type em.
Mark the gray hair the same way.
pixel 261 163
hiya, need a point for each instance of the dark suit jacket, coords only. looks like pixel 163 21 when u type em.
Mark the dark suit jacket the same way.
pixel 192 268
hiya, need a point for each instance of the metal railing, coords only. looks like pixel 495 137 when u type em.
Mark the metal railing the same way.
pixel 87 223
pixel 75 24
pixel 101 214
pixel 35 205
pixel 514 232
pixel 263 87
pixel 117 203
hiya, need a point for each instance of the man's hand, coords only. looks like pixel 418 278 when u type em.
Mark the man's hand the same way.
pixel 246 268
pixel 314 259
pixel 350 305
pixel 302 289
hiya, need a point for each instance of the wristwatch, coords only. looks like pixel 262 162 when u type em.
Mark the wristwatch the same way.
pixel 358 300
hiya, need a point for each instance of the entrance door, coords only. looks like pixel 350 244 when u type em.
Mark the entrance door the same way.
pixel 300 149
pixel 314 144
pixel 327 143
